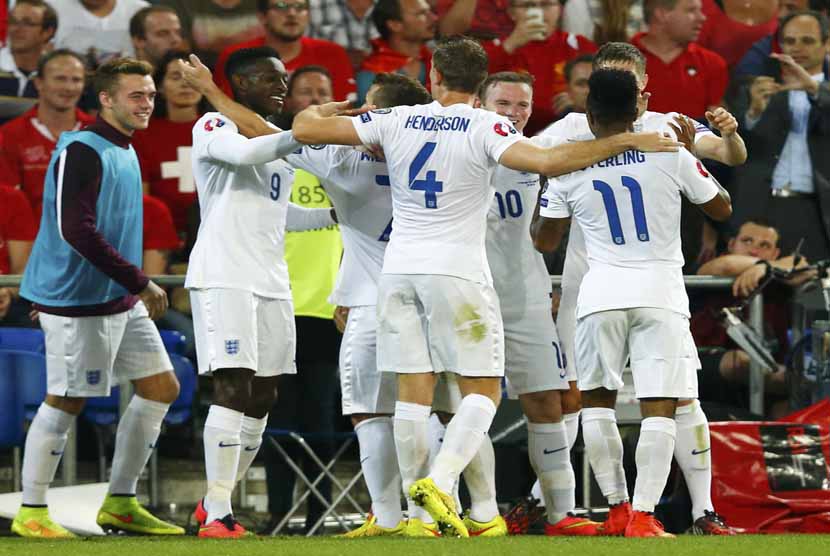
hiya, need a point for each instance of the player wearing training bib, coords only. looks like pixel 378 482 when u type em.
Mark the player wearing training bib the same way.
pixel 629 209
pixel 243 317
pixel 437 311
pixel 536 369
pixel 692 446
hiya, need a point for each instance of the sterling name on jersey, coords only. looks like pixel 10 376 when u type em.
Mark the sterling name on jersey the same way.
pixel 575 127
pixel 358 186
pixel 241 241
pixel 440 162
pixel 520 276
pixel 628 208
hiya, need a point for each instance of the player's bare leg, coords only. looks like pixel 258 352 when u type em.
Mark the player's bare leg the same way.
pixel 603 447
pixel 379 463
pixel 655 450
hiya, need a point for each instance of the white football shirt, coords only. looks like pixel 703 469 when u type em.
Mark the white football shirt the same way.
pixel 628 208
pixel 575 126
pixel 440 161
pixel 241 241
pixel 358 186
pixel 520 276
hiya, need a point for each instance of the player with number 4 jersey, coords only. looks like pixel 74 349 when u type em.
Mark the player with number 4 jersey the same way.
pixel 437 311
pixel 628 207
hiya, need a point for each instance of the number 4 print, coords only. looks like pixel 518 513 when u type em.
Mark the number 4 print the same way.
pixel 430 186
pixel 637 207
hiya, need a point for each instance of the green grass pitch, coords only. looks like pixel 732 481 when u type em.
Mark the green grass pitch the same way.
pixel 749 545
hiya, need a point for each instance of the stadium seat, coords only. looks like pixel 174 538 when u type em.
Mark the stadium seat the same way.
pixel 174 341
pixel 326 470
pixel 11 417
pixel 24 339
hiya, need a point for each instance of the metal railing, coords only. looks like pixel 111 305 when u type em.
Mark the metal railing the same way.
pixel 756 321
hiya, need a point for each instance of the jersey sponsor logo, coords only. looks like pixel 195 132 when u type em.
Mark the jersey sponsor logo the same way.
pixel 214 123
pixel 93 377
pixel 381 111
pixel 365 118
pixel 702 170
pixel 231 347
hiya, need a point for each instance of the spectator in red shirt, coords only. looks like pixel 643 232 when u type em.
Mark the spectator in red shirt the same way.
pixel 28 141
pixel 482 19
pixel 164 148
pixel 536 46
pixel 732 26
pixel 17 234
pixel 682 76
pixel 285 22
pixel 405 27
pixel 155 31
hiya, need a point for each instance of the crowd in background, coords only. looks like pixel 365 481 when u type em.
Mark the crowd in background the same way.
pixel 766 61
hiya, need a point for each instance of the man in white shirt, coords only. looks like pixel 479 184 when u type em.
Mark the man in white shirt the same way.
pixel 692 447
pixel 536 368
pixel 437 310
pixel 628 207
pixel 243 317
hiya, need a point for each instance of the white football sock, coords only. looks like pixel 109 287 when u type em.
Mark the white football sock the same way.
pixel 654 454
pixel 437 429
pixel 380 469
pixel 251 439
pixel 412 446
pixel 135 440
pixel 45 442
pixel 536 492
pixel 465 433
pixel 603 445
pixel 551 460
pixel 693 451
pixel 571 421
pixel 223 431
pixel 480 477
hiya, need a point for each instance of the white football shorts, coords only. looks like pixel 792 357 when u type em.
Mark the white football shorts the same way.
pixel 533 358
pixel 86 356
pixel 237 329
pixel 658 342
pixel 566 328
pixel 364 389
pixel 436 323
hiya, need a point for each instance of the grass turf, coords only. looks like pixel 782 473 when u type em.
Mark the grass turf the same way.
pixel 749 545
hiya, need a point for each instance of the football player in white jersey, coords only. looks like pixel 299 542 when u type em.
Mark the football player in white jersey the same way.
pixel 692 447
pixel 628 208
pixel 536 368
pixel 243 316
pixel 357 183
pixel 437 310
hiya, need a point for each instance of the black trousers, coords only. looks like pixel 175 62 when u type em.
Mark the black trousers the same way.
pixel 796 218
pixel 307 402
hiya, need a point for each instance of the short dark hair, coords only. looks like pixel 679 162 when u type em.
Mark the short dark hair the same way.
pixel 302 70
pixel 137 29
pixel 649 6
pixel 106 76
pixel 504 77
pixel 612 97
pixel 49 56
pixel 244 58
pixel 386 10
pixel 462 62
pixel 762 222
pixel 581 59
pixel 160 108
pixel 50 16
pixel 619 52
pixel 820 18
pixel 395 89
